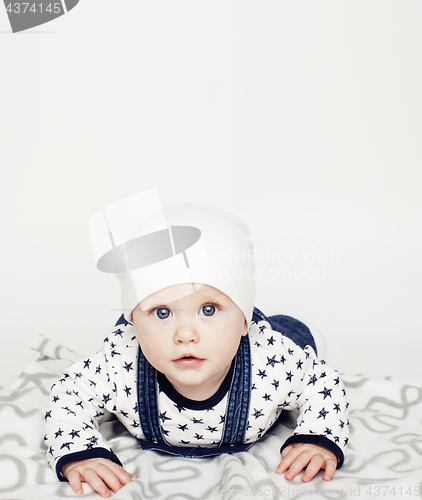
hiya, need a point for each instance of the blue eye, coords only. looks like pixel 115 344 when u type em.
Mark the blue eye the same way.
pixel 162 313
pixel 208 310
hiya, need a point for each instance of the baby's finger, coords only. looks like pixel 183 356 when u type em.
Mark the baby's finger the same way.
pixel 287 458
pixel 282 467
pixel 287 450
pixel 299 463
pixel 112 480
pixel 74 479
pixel 330 468
pixel 316 463
pixel 285 463
pixel 91 477
pixel 122 474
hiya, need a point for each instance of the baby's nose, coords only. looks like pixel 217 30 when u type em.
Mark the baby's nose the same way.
pixel 186 333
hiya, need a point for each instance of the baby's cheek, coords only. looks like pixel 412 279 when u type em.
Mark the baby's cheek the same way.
pixel 154 352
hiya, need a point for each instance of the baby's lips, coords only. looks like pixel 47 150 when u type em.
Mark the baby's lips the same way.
pixel 23 16
pixel 188 361
pixel 188 355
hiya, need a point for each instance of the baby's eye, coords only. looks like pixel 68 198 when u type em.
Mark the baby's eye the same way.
pixel 161 313
pixel 208 310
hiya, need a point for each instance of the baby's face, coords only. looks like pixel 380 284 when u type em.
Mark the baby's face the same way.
pixel 190 333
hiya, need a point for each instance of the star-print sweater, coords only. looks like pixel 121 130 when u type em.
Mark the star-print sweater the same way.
pixel 270 374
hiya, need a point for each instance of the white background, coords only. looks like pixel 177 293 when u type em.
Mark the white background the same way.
pixel 302 117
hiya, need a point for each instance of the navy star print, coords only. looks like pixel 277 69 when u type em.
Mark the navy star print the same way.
pixel 180 408
pixel 272 361
pixel 323 413
pixel 106 398
pixel 257 413
pixel 163 417
pixel 326 392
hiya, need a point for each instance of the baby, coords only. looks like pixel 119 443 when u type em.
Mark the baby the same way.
pixel 191 368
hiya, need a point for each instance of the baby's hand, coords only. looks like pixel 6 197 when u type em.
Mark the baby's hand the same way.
pixel 297 456
pixel 98 473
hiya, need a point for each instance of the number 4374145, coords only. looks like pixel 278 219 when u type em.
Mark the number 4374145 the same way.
pixel 392 491
pixel 33 8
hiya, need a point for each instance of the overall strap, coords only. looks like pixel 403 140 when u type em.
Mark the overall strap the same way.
pixel 237 412
pixel 147 399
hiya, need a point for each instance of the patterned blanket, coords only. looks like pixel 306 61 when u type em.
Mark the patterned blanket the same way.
pixel 384 458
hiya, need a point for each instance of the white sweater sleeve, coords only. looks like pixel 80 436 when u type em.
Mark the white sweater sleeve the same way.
pixel 319 394
pixel 87 389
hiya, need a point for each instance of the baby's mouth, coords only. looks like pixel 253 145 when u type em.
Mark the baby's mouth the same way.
pixel 188 361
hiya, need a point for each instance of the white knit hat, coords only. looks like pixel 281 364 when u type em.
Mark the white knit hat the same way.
pixel 150 248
